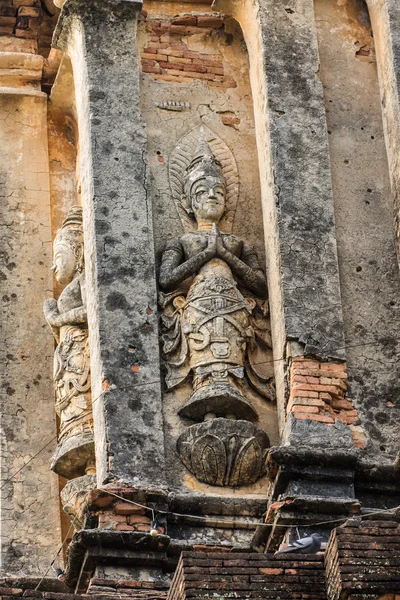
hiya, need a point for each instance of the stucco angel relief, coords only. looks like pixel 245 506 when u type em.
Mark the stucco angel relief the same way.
pixel 67 318
pixel 214 299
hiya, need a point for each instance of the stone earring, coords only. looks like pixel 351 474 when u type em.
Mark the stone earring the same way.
pixel 79 260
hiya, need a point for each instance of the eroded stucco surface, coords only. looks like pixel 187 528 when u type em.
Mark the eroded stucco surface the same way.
pixel 369 279
pixel 228 113
pixel 29 509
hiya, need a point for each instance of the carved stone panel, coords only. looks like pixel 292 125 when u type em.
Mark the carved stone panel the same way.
pixel 215 328
pixel 224 452
pixel 67 319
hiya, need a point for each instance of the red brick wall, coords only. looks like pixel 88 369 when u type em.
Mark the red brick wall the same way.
pixel 25 26
pixel 167 57
pixel 237 575
pixel 118 515
pixel 126 517
pixel 363 560
pixel 318 392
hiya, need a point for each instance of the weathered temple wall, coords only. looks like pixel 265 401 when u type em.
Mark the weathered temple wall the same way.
pixel 369 279
pixel 196 73
pixel 119 251
pixel 293 91
pixel 29 509
pixel 63 139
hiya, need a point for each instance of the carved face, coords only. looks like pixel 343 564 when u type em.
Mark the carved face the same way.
pixel 208 199
pixel 65 262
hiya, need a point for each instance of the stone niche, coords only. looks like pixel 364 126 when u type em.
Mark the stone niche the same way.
pixel 197 104
pixel 73 459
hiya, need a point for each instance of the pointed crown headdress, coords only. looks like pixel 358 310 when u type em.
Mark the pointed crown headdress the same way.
pixel 204 164
pixel 71 231
pixel 74 219
pixel 201 153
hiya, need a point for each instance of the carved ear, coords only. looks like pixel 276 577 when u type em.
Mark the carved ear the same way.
pixel 79 258
pixel 78 251
pixel 186 205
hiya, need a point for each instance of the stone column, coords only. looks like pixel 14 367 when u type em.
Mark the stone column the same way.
pixel 297 194
pixel 100 39
pixel 29 500
pixel 302 261
pixel 385 18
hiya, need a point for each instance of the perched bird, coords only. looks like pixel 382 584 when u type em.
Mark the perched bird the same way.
pixel 307 545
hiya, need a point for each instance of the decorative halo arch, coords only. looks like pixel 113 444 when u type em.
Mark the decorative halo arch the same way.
pixel 180 159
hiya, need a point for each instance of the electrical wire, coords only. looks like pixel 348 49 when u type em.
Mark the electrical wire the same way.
pixel 159 380
pixel 55 557
pixel 198 517
pixel 207 518
pixel 27 462
pixel 183 515
pixel 5 481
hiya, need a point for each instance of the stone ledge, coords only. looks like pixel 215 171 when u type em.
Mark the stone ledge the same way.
pixel 90 545
pixel 11 91
pixel 21 60
pixel 20 70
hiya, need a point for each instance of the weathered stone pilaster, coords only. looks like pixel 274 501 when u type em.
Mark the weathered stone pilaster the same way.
pixel 100 38
pixel 385 18
pixel 302 190
pixel 302 262
pixel 29 502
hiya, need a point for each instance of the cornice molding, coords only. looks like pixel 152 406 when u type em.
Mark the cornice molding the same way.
pixel 95 11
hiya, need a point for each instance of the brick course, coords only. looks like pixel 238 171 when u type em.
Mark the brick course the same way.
pixel 363 561
pixel 252 575
pixel 26 20
pixel 166 57
pixel 318 393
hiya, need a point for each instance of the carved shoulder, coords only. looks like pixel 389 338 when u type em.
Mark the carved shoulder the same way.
pixel 82 283
pixel 72 296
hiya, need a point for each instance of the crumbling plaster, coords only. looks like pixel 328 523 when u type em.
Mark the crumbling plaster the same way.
pixel 30 530
pixel 369 278
pixel 208 107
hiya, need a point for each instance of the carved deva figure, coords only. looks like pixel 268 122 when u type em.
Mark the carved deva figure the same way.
pixel 67 318
pixel 212 323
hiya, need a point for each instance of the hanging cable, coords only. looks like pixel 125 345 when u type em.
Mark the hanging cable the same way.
pixel 55 558
pixel 245 523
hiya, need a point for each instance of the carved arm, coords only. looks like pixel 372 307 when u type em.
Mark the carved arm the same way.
pixel 246 268
pixel 173 272
pixel 57 319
